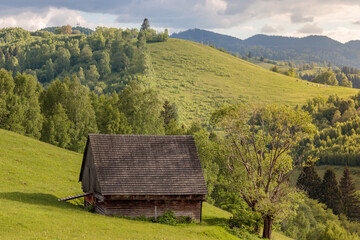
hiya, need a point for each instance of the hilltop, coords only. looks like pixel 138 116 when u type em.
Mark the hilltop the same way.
pixel 308 49
pixel 199 79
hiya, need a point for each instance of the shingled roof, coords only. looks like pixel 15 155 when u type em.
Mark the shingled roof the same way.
pixel 146 165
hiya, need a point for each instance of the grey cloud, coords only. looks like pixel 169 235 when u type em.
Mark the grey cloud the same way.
pixel 271 29
pixel 298 18
pixel 357 22
pixel 184 13
pixel 311 29
pixel 268 29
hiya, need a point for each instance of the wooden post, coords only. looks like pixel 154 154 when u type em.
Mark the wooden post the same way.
pixel 155 212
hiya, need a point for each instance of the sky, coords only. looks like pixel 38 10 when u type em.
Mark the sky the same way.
pixel 339 20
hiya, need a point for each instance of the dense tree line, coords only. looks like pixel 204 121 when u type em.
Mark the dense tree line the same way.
pixel 65 112
pixel 345 76
pixel 337 140
pixel 341 198
pixel 74 30
pixel 105 60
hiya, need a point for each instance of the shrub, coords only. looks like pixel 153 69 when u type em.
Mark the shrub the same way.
pixel 167 218
pixel 184 219
pixel 248 220
pixel 90 207
pixel 143 218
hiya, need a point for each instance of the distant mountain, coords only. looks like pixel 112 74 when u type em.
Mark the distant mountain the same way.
pixel 308 49
pixel 355 44
pixel 197 35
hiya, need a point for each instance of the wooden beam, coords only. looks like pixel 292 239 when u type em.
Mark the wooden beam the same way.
pixel 73 197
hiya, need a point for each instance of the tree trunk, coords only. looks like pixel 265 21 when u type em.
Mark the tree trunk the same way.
pixel 268 222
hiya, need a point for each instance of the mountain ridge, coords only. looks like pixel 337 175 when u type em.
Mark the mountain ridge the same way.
pixel 312 48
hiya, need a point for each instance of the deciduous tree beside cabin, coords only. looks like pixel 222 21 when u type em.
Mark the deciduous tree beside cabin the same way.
pixel 258 146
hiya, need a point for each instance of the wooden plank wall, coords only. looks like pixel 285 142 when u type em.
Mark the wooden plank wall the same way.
pixel 100 208
pixel 135 208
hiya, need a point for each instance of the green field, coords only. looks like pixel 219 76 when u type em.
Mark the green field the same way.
pixel 33 175
pixel 200 78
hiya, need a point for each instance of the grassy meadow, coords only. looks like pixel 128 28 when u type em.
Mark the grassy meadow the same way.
pixel 199 79
pixel 33 175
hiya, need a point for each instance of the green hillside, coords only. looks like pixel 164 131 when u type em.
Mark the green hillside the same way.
pixel 199 78
pixel 33 175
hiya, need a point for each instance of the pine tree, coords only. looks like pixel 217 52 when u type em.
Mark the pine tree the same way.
pixel 309 181
pixel 168 113
pixel 351 204
pixel 145 25
pixel 330 191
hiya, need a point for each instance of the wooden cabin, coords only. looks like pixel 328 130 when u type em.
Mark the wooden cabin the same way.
pixel 142 175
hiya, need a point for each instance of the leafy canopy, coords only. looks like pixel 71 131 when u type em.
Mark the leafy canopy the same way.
pixel 258 146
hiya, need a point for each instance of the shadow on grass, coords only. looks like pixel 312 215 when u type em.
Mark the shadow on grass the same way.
pixel 214 221
pixel 41 199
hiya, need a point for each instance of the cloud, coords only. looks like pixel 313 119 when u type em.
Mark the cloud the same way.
pixel 311 29
pixel 186 13
pixel 298 18
pixel 230 16
pixel 37 20
pixel 271 29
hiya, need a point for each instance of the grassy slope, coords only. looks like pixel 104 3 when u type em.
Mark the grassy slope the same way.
pixel 33 175
pixel 199 78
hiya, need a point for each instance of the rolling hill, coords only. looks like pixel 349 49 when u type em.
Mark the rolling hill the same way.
pixel 199 79
pixel 33 175
pixel 308 49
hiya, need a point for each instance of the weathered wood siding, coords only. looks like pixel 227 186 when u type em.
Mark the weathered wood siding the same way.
pixel 152 208
pixel 100 208
pixel 89 180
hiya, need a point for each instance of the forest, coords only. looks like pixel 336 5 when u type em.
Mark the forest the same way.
pixel 337 139
pixel 104 61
